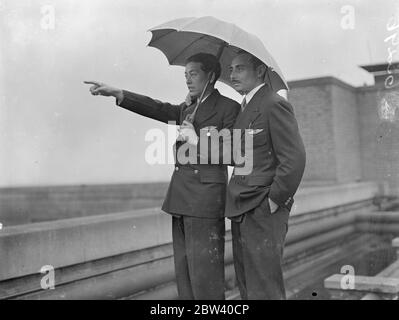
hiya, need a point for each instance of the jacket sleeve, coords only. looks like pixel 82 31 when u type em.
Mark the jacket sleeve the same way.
pixel 150 108
pixel 220 144
pixel 289 150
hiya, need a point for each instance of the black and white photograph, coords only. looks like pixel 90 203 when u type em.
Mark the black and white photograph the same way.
pixel 215 151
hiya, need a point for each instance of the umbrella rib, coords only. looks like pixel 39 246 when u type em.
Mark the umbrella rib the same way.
pixel 162 36
pixel 181 52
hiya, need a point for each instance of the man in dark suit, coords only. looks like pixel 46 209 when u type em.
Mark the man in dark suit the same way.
pixel 259 201
pixel 196 194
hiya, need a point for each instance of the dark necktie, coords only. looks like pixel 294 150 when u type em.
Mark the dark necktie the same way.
pixel 243 104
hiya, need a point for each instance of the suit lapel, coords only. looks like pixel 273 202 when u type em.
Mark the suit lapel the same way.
pixel 186 111
pixel 251 111
pixel 207 109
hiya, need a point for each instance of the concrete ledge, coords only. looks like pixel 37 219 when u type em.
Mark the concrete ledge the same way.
pixel 378 222
pixel 312 243
pixel 72 241
pixel 363 283
pixel 78 240
pixel 302 270
pixel 378 217
pixel 384 278
pixel 320 198
pixel 315 227
pixel 392 271
pixel 169 291
pixel 76 244
pixel 31 283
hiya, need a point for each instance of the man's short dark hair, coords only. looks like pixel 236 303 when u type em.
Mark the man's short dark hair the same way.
pixel 208 63
pixel 254 60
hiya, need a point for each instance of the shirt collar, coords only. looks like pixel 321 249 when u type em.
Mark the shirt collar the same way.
pixel 250 94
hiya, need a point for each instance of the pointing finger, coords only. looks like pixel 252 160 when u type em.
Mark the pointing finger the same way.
pixel 96 83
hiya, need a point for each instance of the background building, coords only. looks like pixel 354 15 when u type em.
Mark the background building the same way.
pixel 350 133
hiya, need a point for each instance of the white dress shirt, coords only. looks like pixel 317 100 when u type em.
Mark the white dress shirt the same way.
pixel 251 93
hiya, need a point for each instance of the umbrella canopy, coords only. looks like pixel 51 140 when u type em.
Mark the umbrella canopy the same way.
pixel 179 39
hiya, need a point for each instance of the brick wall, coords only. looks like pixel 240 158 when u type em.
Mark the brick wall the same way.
pixel 369 123
pixel 346 133
pixel 345 138
pixel 312 105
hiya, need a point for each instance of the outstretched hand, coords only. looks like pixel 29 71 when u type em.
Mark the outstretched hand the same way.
pixel 102 89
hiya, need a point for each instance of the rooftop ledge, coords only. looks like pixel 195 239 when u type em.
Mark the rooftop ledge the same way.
pixel 71 241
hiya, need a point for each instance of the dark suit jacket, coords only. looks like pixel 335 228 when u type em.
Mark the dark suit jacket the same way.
pixel 196 189
pixel 278 155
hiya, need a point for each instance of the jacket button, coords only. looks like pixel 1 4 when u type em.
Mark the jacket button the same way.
pixel 177 169
pixel 195 171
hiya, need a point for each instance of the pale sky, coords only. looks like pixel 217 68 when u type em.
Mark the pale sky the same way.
pixel 52 131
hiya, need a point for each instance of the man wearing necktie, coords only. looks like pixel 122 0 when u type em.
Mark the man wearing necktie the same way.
pixel 259 202
pixel 197 191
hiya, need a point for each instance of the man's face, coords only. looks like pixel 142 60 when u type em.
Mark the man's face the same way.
pixel 242 74
pixel 196 78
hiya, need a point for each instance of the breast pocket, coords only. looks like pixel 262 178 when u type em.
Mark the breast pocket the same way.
pixel 258 136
